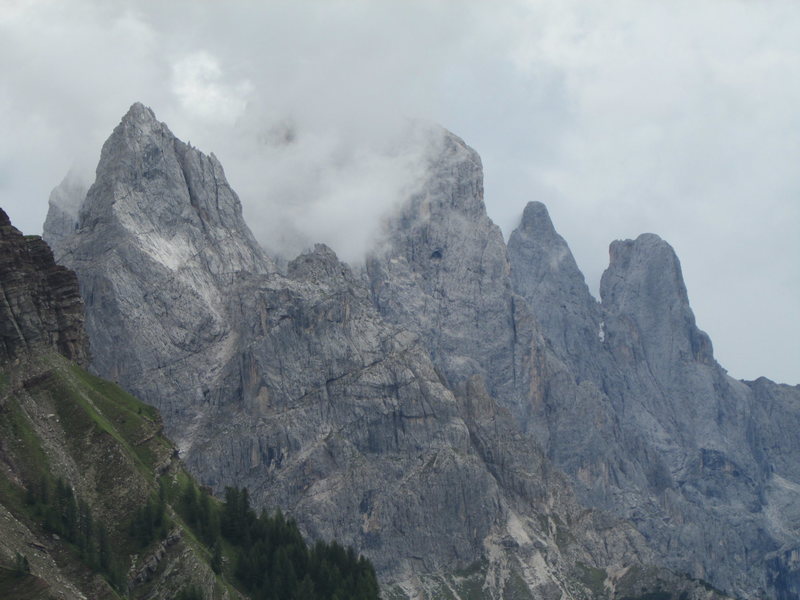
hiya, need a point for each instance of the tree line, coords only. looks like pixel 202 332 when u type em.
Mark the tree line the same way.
pixel 71 518
pixel 270 559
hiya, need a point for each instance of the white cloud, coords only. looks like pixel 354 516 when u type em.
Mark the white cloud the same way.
pixel 624 116
pixel 197 81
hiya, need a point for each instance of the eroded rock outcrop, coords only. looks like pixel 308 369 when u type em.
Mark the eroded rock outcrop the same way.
pixel 41 304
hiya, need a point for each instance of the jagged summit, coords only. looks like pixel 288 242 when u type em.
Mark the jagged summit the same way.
pixel 173 198
pixel 376 406
pixel 544 272
pixel 536 219
pixel 318 264
pixel 645 282
pixel 443 272
pixel 159 225
pixel 140 112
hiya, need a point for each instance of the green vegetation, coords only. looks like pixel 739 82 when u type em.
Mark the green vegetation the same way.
pixel 592 577
pixel 61 513
pixel 111 438
pixel 516 589
pixel 21 565
pixel 150 521
pixel 191 592
pixel 270 559
pixel 114 507
pixel 21 586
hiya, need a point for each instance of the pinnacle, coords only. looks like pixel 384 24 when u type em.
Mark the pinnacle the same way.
pixel 139 112
pixel 535 218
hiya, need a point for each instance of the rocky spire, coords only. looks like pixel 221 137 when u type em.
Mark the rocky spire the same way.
pixel 160 239
pixel 644 284
pixel 544 272
pixel 443 272
pixel 171 195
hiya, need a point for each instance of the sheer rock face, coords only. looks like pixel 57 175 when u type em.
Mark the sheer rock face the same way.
pixel 160 240
pixel 694 457
pixel 443 273
pixel 644 284
pixel 297 387
pixel 546 275
pixel 41 304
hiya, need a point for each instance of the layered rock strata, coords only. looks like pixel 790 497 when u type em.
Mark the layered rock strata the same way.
pixel 41 304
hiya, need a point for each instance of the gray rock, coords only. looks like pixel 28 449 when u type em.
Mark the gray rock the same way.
pixel 41 306
pixel 160 239
pixel 694 458
pixel 297 387
pixel 384 408
pixel 442 271
pixel 545 274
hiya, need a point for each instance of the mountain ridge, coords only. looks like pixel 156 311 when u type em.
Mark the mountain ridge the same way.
pixel 386 368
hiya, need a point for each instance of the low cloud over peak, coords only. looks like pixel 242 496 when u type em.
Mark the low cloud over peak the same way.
pixel 622 117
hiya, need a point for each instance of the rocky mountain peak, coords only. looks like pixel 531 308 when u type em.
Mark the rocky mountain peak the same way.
pixel 631 261
pixel 321 263
pixel 456 181
pixel 644 282
pixel 443 272
pixel 544 272
pixel 169 199
pixel 140 112
pixel 536 219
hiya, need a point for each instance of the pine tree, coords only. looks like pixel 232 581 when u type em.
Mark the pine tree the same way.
pixel 216 558
pixel 21 565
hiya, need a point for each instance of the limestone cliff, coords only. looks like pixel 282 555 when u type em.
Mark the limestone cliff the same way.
pixel 402 410
pixel 698 460
pixel 62 215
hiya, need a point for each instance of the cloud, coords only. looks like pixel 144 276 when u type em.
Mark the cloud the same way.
pixel 623 116
pixel 197 83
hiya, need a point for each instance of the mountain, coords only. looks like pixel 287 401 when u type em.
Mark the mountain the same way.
pixel 442 410
pixel 696 459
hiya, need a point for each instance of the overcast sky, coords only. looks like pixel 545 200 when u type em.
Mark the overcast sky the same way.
pixel 680 118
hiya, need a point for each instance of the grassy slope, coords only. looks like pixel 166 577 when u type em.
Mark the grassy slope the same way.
pixel 58 421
